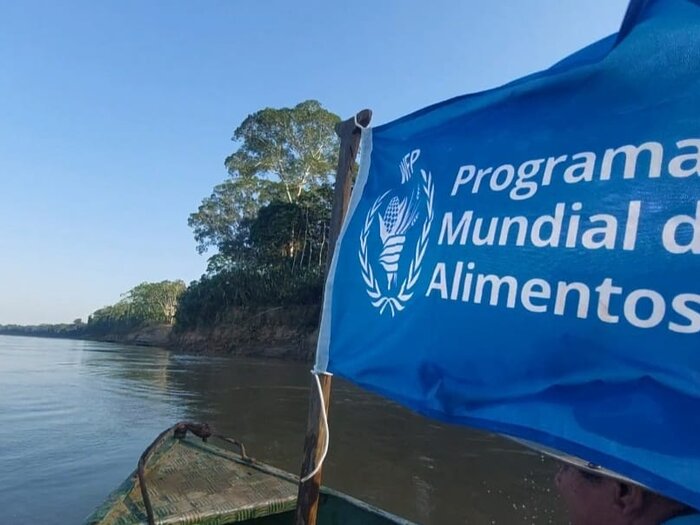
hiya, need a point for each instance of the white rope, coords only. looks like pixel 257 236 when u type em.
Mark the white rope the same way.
pixel 324 419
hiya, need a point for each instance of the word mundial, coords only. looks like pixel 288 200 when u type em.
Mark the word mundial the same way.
pixel 642 308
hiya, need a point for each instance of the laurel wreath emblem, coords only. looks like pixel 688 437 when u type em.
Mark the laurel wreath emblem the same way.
pixel 396 303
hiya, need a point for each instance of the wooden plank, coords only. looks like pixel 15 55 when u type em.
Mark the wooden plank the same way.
pixel 307 501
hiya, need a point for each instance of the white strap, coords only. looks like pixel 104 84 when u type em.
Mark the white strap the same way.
pixel 324 419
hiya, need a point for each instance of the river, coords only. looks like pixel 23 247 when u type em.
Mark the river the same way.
pixel 76 415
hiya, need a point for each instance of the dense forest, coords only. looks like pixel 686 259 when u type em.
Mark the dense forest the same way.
pixel 268 222
pixel 265 228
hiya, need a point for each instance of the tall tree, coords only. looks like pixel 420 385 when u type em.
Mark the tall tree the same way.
pixel 144 304
pixel 155 302
pixel 282 155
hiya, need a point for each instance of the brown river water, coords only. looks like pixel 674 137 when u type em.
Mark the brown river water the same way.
pixel 76 415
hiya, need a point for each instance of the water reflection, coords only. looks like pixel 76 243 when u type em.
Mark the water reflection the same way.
pixel 90 408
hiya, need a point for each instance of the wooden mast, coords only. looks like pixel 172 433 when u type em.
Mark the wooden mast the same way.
pixel 307 502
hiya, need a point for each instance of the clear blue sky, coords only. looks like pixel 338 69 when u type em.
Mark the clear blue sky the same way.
pixel 116 116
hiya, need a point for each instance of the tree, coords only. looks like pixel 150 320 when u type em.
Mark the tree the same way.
pixel 155 302
pixel 113 319
pixel 292 234
pixel 283 154
pixel 145 304
pixel 218 221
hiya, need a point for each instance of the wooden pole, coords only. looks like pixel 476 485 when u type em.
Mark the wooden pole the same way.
pixel 307 501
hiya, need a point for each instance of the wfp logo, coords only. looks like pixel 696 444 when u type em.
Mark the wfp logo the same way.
pixel 395 236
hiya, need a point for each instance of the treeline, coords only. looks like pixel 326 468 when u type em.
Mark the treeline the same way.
pixel 74 330
pixel 207 301
pixel 268 223
pixel 146 304
pixel 267 226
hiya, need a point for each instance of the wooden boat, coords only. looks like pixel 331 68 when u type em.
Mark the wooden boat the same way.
pixel 198 478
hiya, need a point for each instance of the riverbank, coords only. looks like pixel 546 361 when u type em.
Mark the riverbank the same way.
pixel 156 335
pixel 288 332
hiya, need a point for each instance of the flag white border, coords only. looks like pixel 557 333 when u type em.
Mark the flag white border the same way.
pixel 324 334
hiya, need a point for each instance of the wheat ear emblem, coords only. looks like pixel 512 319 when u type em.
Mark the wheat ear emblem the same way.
pixel 398 216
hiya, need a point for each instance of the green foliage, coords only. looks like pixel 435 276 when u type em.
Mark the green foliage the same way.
pixel 145 304
pixel 154 303
pixel 269 222
pixel 220 220
pixel 113 319
pixel 206 301
pixel 293 235
pixel 292 148
pixel 285 157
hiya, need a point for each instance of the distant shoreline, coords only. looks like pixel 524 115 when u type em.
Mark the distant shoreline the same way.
pixel 156 336
pixel 288 333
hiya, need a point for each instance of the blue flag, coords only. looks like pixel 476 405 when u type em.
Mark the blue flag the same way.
pixel 526 260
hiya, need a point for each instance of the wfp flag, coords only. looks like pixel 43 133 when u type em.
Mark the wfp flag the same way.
pixel 526 260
